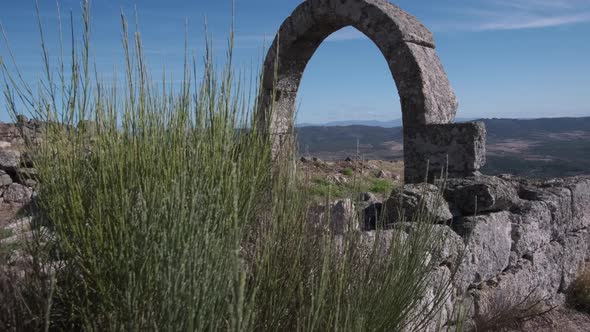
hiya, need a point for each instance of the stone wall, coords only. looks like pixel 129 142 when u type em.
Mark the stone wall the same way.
pixel 508 238
pixel 17 177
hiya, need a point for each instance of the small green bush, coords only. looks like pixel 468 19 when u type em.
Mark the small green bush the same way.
pixel 348 171
pixel 380 186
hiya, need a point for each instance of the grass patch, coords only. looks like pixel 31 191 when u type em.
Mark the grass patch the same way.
pixel 5 233
pixel 381 186
pixel 321 188
pixel 348 171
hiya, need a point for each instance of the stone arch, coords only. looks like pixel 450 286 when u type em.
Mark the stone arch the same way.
pixel 425 92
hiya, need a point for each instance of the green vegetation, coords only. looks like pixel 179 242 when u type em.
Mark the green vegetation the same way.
pixel 5 233
pixel 168 215
pixel 320 187
pixel 348 171
pixel 381 186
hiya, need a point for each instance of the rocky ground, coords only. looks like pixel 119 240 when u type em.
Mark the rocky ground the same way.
pixel 346 178
pixel 561 320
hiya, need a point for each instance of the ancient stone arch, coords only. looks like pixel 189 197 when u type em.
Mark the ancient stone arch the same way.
pixel 427 100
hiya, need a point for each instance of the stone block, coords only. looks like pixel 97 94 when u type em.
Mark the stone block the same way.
pixel 458 148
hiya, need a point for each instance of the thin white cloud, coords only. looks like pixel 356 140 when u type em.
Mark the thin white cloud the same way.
pixel 535 22
pixel 513 14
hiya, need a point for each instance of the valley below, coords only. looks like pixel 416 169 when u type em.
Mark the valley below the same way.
pixel 541 148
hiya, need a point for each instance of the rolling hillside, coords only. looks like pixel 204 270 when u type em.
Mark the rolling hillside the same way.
pixel 537 147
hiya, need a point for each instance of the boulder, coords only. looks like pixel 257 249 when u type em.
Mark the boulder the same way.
pixel 480 194
pixel 9 160
pixel 17 194
pixel 488 243
pixel 372 215
pixel 342 216
pixel 5 179
pixel 417 201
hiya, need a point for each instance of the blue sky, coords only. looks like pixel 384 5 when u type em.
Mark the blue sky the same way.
pixel 505 58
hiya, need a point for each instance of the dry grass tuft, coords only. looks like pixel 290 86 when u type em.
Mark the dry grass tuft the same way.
pixel 579 292
pixel 507 310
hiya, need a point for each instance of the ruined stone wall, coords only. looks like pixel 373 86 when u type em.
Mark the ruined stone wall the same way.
pixel 17 175
pixel 509 239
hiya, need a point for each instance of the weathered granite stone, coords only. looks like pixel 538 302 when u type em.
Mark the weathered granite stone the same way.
pixel 5 179
pixel 419 201
pixel 488 242
pixel 534 250
pixel 338 217
pixel 480 194
pixel 531 228
pixel 9 160
pixel 449 245
pixel 344 217
pixel 425 91
pixel 17 194
pixel 457 148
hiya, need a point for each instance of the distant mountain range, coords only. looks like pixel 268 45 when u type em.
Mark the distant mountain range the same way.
pixel 370 123
pixel 534 147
